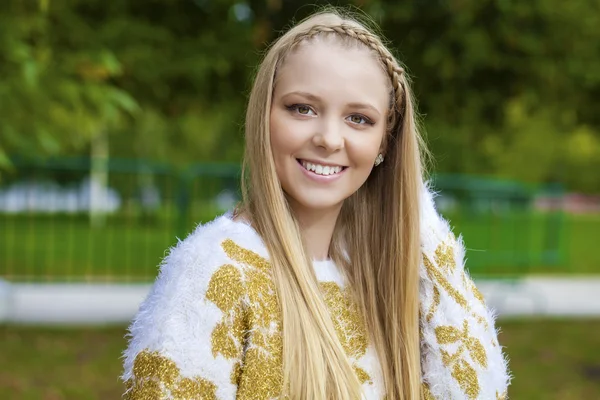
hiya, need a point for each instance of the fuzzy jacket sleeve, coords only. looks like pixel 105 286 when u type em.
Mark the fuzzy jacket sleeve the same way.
pixel 461 356
pixel 177 347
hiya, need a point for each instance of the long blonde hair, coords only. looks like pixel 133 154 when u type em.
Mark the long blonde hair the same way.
pixel 376 239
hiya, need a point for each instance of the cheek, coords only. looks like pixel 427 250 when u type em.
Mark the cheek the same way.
pixel 287 136
pixel 277 135
pixel 283 144
pixel 362 152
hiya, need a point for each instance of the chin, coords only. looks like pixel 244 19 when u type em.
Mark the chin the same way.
pixel 320 204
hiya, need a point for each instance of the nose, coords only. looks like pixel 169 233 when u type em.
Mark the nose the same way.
pixel 329 136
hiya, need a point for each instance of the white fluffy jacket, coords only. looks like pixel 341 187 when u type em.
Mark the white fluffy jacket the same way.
pixel 211 326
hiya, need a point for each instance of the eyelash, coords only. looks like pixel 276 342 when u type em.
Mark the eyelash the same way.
pixel 294 108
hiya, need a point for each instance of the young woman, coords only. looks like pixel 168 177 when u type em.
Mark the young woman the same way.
pixel 335 278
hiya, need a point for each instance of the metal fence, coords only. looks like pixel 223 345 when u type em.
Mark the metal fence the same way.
pixel 504 232
pixel 58 223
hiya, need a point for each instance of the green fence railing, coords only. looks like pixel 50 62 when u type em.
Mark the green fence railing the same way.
pixel 47 234
pixel 503 231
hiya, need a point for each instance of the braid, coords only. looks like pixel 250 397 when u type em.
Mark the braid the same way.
pixel 395 71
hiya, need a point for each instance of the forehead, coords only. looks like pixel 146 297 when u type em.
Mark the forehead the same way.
pixel 329 67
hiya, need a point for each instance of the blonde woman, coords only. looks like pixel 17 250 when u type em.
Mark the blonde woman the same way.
pixel 335 278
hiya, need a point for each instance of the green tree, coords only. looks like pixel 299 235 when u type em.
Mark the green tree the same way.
pixel 53 99
pixel 505 88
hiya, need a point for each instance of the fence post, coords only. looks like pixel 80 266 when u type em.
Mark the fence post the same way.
pixel 552 253
pixel 99 179
pixel 183 201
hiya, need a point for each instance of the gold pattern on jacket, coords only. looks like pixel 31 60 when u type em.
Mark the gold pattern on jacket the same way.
pixel 157 377
pixel 468 350
pixel 249 332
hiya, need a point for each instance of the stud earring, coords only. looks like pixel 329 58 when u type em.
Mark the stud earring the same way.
pixel 379 159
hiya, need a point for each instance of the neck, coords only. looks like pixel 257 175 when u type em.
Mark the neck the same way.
pixel 317 228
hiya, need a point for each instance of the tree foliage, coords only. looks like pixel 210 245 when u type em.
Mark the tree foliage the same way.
pixel 505 88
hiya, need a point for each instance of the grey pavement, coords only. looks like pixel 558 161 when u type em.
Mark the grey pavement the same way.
pixel 102 304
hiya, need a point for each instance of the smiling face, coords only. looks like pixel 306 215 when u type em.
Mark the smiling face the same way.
pixel 328 122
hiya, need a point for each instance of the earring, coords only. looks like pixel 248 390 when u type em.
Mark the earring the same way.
pixel 379 159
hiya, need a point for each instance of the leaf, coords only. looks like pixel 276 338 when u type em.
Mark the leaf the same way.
pixel 4 160
pixel 124 100
pixel 30 73
pixel 110 62
pixel 48 142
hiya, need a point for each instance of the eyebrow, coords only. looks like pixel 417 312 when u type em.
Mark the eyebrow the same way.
pixel 309 96
pixel 312 97
pixel 363 106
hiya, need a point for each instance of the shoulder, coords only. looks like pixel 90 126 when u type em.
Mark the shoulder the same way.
pixel 434 228
pixel 187 336
pixel 191 263
pixel 185 273
pixel 442 252
pixel 443 256
pixel 189 298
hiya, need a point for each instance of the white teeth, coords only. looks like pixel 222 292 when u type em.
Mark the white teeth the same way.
pixel 321 169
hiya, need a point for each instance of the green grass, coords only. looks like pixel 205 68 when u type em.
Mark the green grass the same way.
pixel 550 360
pixel 65 248
pixel 518 243
pixel 553 359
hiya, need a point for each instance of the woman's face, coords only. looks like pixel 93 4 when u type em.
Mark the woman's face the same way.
pixel 328 120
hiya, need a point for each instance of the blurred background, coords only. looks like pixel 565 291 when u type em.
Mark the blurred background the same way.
pixel 121 129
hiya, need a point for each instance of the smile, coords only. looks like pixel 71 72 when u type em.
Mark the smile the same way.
pixel 321 169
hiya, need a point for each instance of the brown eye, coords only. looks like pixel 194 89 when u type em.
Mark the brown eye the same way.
pixel 303 110
pixel 357 119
